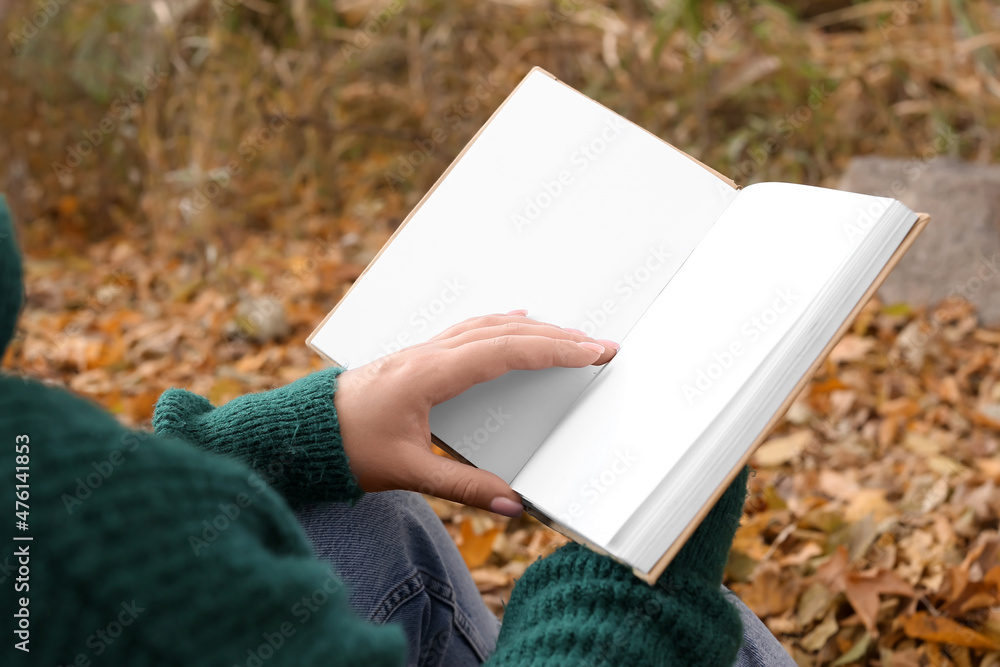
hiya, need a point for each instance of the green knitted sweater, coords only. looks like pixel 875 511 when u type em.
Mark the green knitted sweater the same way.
pixel 179 547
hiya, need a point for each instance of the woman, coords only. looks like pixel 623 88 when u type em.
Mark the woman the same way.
pixel 243 535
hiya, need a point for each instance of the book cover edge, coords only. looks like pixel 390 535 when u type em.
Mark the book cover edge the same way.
pixel 654 574
pixel 657 570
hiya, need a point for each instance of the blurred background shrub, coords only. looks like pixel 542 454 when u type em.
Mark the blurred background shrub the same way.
pixel 192 117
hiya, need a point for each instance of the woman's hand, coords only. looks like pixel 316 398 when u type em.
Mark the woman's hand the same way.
pixel 384 406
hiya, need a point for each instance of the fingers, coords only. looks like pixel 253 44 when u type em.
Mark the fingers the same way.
pixel 526 327
pixel 461 483
pixel 481 321
pixel 515 323
pixel 477 361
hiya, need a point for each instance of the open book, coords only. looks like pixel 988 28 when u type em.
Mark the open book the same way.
pixel 724 300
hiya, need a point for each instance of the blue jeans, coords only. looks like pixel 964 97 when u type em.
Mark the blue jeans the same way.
pixel 401 566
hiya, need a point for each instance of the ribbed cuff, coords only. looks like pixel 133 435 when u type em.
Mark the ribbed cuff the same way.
pixel 578 607
pixel 289 436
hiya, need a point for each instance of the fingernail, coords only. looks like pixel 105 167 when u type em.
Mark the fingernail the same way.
pixel 506 507
pixel 576 331
pixel 520 311
pixel 609 343
pixel 592 347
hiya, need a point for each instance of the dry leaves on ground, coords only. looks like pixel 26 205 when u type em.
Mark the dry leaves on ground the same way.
pixel 870 534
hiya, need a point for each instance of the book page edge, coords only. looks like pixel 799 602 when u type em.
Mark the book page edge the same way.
pixel 654 574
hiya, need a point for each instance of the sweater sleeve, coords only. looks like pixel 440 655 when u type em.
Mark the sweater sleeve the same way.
pixel 289 436
pixel 579 607
pixel 146 551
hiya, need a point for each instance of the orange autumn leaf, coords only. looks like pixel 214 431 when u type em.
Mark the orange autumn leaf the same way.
pixel 965 595
pixel 826 386
pixel 833 572
pixel 922 625
pixel 851 348
pixel 67 205
pixel 224 390
pixel 902 407
pixel 141 406
pixel 861 588
pixel 476 548
pixel 771 592
pixel 440 452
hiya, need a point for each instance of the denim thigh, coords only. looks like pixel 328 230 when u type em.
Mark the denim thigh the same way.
pixel 400 566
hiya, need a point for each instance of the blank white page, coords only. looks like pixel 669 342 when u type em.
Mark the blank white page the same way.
pixel 559 206
pixel 755 272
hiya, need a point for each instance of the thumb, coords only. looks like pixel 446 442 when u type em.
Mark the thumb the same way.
pixel 446 478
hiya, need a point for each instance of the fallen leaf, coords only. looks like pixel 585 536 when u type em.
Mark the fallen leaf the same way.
pixel 988 415
pixel 863 590
pixel 771 592
pixel 814 602
pixel 476 547
pixel 851 348
pixel 904 406
pixel 821 634
pixel 781 450
pixel 944 465
pixel 869 502
pixel 490 578
pixel 833 572
pixel 921 444
pixel 922 625
pixel 856 652
pixel 990 468
pixel 837 485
